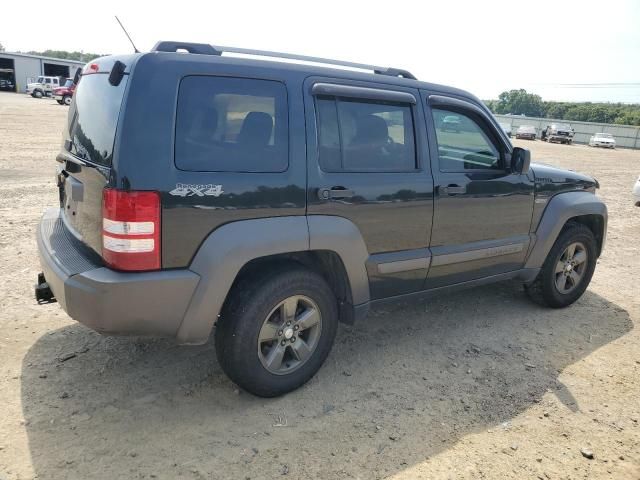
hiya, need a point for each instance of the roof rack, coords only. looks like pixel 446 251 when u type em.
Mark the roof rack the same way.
pixel 206 49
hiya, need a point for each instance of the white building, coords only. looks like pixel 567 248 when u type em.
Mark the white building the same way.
pixel 20 68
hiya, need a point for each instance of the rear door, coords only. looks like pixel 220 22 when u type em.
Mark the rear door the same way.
pixel 483 210
pixel 368 162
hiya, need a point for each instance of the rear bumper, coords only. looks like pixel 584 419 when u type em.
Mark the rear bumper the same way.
pixel 110 302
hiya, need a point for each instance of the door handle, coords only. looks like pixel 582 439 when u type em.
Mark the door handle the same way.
pixel 452 190
pixel 334 193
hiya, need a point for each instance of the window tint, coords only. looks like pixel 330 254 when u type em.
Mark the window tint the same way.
pixel 462 144
pixel 94 113
pixel 231 125
pixel 365 136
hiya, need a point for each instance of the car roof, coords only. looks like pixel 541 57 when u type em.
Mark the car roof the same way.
pixel 309 70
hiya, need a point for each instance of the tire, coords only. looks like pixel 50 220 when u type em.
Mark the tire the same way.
pixel 544 289
pixel 60 102
pixel 37 94
pixel 253 302
pixel 66 100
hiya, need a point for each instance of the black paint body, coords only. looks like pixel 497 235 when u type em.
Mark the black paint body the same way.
pixel 402 216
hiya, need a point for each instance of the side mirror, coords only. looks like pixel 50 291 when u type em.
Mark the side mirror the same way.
pixel 520 160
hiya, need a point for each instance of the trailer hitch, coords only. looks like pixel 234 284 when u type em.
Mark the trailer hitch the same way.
pixel 43 291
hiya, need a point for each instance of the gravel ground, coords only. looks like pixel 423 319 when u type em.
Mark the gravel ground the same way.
pixel 480 384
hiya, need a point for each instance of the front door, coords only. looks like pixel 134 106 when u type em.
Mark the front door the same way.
pixel 482 210
pixel 368 163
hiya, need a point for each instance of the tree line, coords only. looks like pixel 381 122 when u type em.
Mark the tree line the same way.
pixel 520 102
pixel 65 55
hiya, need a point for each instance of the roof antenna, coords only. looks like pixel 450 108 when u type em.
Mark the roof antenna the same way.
pixel 125 32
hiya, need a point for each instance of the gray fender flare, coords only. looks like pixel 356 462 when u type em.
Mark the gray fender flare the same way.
pixel 228 248
pixel 559 210
pixel 342 236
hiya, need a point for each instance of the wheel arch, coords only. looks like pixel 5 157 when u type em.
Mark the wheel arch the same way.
pixel 579 207
pixel 333 246
pixel 325 262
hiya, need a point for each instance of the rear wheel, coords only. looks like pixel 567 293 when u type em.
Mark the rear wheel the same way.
pixel 37 94
pixel 568 269
pixel 276 330
pixel 59 102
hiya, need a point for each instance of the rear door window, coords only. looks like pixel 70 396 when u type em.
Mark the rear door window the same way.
pixel 358 135
pixel 231 125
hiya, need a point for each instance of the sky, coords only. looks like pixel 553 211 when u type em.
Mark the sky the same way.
pixel 564 51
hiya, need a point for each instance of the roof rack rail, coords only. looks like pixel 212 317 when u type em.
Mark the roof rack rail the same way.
pixel 206 49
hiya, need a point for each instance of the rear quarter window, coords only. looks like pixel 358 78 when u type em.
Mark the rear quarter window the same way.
pixel 226 124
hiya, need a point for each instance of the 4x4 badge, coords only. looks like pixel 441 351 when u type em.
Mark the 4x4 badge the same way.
pixel 189 190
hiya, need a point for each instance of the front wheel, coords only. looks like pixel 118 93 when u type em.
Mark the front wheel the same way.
pixel 568 269
pixel 66 100
pixel 276 330
pixel 37 94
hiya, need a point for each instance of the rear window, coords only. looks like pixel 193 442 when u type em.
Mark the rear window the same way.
pixel 231 125
pixel 96 106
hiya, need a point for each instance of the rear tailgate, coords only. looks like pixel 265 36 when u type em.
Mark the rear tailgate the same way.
pixel 87 154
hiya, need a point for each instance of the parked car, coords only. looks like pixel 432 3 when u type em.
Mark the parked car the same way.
pixel 506 128
pixel 558 132
pixel 43 86
pixel 636 193
pixel 526 131
pixel 64 94
pixel 6 84
pixel 274 200
pixel 451 123
pixel 602 140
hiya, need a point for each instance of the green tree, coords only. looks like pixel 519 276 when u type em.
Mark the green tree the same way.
pixel 520 102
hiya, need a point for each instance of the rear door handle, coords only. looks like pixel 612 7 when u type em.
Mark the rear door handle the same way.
pixel 452 190
pixel 334 193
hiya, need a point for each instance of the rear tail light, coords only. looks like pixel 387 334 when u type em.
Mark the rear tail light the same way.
pixel 91 68
pixel 131 229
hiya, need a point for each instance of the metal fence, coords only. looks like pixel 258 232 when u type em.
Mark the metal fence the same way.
pixel 626 136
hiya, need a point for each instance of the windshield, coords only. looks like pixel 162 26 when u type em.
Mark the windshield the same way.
pixel 68 83
pixel 94 117
pixel 604 135
pixel 40 80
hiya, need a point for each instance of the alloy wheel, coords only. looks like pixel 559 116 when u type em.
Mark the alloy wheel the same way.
pixel 289 335
pixel 570 267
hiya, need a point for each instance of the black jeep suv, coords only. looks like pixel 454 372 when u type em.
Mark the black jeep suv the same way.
pixel 275 199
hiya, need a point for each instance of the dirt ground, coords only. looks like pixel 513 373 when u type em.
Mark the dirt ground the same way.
pixel 480 384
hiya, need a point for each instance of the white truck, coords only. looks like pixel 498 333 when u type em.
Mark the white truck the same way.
pixel 43 86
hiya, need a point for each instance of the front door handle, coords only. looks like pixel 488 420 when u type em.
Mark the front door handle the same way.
pixel 334 193
pixel 452 190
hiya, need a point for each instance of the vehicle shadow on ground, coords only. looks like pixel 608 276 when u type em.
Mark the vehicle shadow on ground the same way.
pixel 398 388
